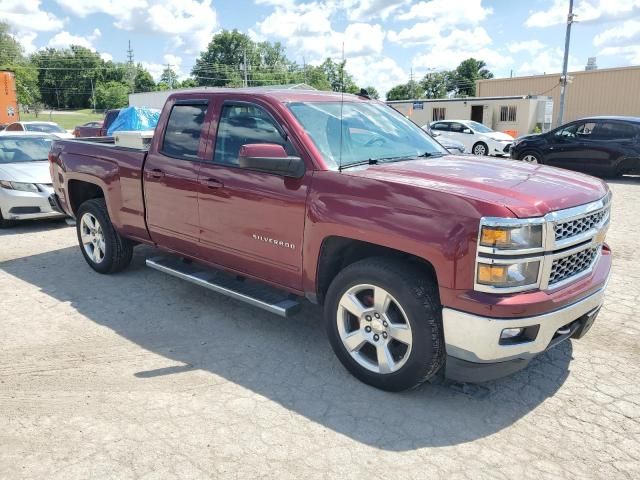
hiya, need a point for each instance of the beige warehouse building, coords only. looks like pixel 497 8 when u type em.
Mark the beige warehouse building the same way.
pixel 607 91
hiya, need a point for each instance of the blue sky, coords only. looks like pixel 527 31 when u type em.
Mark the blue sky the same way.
pixel 384 39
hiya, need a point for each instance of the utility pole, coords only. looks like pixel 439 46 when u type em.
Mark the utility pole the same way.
pixel 411 91
pixel 93 96
pixel 245 67
pixel 131 76
pixel 170 76
pixel 565 61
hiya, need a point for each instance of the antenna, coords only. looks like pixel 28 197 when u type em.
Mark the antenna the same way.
pixel 341 106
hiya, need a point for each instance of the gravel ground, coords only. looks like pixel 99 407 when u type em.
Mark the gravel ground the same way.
pixel 140 375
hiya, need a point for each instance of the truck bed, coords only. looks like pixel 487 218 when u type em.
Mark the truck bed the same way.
pixel 115 169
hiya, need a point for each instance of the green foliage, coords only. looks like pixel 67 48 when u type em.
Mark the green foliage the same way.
pixel 10 50
pixel 373 92
pixel 406 91
pixel 169 79
pixel 466 74
pixel 189 83
pixel 112 95
pixel 437 84
pixel 143 81
pixel 12 59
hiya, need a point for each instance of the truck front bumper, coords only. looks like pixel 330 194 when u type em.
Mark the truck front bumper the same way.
pixel 476 353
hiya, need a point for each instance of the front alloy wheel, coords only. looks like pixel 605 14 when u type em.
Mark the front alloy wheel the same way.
pixel 530 158
pixel 374 329
pixel 92 237
pixel 384 322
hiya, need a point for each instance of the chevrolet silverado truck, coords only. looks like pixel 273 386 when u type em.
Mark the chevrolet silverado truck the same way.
pixel 422 261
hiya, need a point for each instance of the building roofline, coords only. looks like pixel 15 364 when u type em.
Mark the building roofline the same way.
pixel 471 99
pixel 555 74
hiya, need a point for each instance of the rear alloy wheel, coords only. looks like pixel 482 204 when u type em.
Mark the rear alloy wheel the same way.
pixel 384 321
pixel 102 247
pixel 530 158
pixel 480 149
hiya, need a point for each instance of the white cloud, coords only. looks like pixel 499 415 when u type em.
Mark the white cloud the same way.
pixel 548 61
pixel 29 16
pixel 630 52
pixel 191 22
pixel 377 70
pixel 156 69
pixel 448 13
pixel 586 11
pixel 361 10
pixel 107 57
pixel 628 33
pixel 449 58
pixel 307 29
pixel 26 39
pixel 529 46
pixel 65 39
pixel 419 33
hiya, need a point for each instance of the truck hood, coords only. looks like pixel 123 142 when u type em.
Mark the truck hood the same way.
pixel 26 172
pixel 527 190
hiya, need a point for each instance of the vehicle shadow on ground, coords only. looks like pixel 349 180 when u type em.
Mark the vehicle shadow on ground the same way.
pixel 287 361
pixel 31 226
pixel 625 180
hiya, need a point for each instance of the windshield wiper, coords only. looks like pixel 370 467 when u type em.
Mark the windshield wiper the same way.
pixel 370 161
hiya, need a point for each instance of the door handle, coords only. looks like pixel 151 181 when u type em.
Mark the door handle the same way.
pixel 212 183
pixel 156 173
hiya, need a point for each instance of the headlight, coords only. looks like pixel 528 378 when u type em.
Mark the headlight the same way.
pixel 508 275
pixel 22 187
pixel 516 237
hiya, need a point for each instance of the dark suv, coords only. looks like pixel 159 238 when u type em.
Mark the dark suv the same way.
pixel 605 146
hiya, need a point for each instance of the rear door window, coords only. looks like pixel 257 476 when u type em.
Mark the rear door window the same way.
pixel 182 133
pixel 616 131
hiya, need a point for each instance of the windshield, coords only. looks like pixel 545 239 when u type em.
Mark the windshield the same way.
pixel 369 131
pixel 43 127
pixel 24 149
pixel 480 128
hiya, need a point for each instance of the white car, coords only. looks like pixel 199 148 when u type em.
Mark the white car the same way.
pixel 25 181
pixel 39 127
pixel 476 137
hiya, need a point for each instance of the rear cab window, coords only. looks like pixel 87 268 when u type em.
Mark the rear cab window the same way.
pixel 182 133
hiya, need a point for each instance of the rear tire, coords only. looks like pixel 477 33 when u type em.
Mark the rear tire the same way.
pixel 480 149
pixel 102 247
pixel 396 341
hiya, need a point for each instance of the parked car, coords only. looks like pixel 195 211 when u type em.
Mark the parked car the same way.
pixel 452 146
pixel 89 129
pixel 51 128
pixel 476 137
pixel 605 146
pixel 25 182
pixel 422 260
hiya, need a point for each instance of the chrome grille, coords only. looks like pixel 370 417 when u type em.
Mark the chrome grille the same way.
pixel 580 225
pixel 572 265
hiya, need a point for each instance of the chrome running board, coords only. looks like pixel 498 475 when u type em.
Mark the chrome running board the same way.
pixel 248 291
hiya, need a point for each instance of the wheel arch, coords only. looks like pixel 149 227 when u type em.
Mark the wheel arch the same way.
pixel 79 191
pixel 336 253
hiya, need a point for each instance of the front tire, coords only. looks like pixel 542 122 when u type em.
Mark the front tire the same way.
pixel 480 149
pixel 530 157
pixel 102 247
pixel 384 322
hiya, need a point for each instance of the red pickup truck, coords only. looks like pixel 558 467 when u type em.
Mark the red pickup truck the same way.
pixel 423 261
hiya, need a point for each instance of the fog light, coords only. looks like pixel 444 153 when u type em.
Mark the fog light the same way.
pixel 509 333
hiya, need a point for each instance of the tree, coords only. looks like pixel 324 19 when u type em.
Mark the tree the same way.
pixel 112 95
pixel 337 76
pixel 169 78
pixel 66 76
pixel 405 91
pixel 188 83
pixel 12 59
pixel 437 84
pixel 373 92
pixel 143 80
pixel 219 65
pixel 466 74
